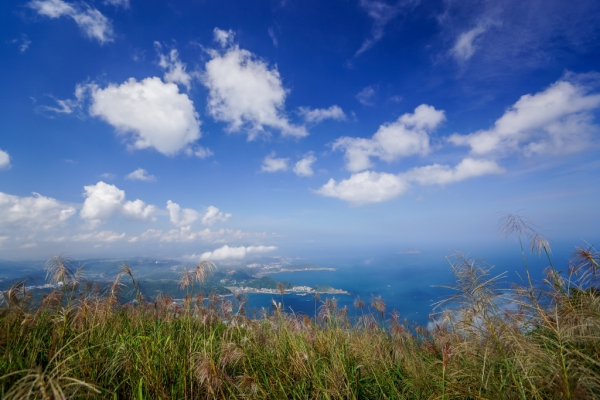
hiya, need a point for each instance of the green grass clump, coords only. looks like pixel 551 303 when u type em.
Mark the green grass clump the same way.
pixel 489 341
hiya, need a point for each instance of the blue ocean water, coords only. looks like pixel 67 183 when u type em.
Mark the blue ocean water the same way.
pixel 408 283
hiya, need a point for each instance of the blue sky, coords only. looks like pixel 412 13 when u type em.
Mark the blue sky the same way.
pixel 231 129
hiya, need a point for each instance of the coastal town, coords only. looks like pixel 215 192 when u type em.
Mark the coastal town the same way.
pixel 298 290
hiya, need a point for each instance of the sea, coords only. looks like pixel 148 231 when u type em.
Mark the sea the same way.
pixel 411 284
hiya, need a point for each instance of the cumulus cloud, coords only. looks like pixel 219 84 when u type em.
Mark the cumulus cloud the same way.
pixel 140 174
pixel 32 213
pixel 91 21
pixel 465 44
pixel 103 201
pixel 556 120
pixel 443 174
pixel 139 211
pixel 304 166
pixel 179 216
pixel 213 215
pixel 317 115
pixel 175 70
pixel 273 164
pixel 374 187
pixel 4 160
pixel 244 92
pixel 406 136
pixel 365 96
pixel 381 13
pixel 365 187
pixel 155 113
pixel 236 253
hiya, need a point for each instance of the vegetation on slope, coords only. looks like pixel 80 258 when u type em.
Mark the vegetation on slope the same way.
pixel 532 342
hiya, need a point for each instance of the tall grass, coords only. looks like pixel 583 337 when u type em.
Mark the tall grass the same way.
pixel 538 341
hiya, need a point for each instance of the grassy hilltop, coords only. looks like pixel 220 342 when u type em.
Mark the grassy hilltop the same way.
pixel 538 341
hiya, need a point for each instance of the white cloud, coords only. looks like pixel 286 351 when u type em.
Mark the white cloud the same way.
pixel 140 174
pixel 320 114
pixel 273 37
pixel 519 34
pixel 175 69
pixel 69 106
pixel 465 44
pixel 103 201
pixel 32 213
pixel 202 152
pixel 365 187
pixel 186 234
pixel 118 3
pixel 272 164
pixel 554 121
pixel 245 93
pixel 365 96
pixel 103 236
pixel 442 174
pixel 213 215
pixel 224 38
pixel 304 166
pixel 198 151
pixel 4 160
pixel 91 21
pixel 139 211
pixel 152 111
pixel 23 43
pixel 381 13
pixel 406 136
pixel 374 187
pixel 236 253
pixel 108 175
pixel 181 217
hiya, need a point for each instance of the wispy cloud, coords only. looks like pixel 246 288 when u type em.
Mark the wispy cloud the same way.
pixel 465 44
pixel 118 3
pixel 500 36
pixel 366 96
pixel 381 13
pixel 91 21
pixel 23 43
pixel 273 36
